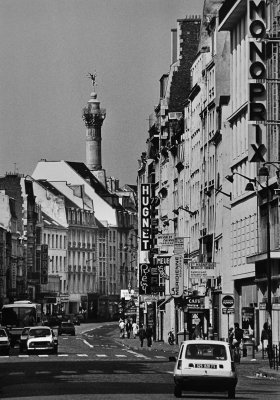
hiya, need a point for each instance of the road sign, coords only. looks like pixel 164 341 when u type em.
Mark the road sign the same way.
pixel 228 301
pixel 228 310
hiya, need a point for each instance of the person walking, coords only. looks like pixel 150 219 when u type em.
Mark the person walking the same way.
pixel 149 334
pixel 128 328
pixel 135 329
pixel 237 340
pixel 142 334
pixel 266 338
pixel 122 327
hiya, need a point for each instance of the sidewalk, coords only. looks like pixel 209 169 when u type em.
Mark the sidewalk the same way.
pixel 262 365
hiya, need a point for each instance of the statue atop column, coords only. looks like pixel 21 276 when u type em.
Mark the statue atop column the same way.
pixel 92 77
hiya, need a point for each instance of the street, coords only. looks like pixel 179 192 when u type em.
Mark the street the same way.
pixel 94 364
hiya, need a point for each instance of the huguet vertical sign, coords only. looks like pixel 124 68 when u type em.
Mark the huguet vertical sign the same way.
pixel 145 216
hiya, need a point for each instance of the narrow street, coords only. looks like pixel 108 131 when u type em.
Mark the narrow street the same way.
pixel 94 362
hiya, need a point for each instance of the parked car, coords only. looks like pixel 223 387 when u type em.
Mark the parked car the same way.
pixel 41 338
pixel 68 328
pixel 5 344
pixel 23 338
pixel 205 366
pixel 76 320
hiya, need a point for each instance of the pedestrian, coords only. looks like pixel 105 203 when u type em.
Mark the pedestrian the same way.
pixel 135 329
pixel 149 334
pixel 122 327
pixel 128 328
pixel 266 337
pixel 238 334
pixel 230 336
pixel 197 332
pixel 142 334
pixel 237 342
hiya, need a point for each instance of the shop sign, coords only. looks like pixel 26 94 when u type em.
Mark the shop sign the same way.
pixel 127 294
pixel 258 52
pixel 276 306
pixel 162 262
pixel 148 279
pixel 44 264
pixel 179 245
pixel 262 306
pixel 145 216
pixel 201 269
pixel 165 240
pixel 193 302
pixel 176 279
pixel 14 275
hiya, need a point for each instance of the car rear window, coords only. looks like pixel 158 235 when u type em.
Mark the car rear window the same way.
pixel 39 332
pixel 205 352
pixel 69 324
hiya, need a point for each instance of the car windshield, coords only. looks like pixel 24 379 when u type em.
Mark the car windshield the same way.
pixel 206 352
pixel 2 333
pixel 39 332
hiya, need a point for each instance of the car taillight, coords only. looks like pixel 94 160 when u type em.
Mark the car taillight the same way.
pixel 232 366
pixel 179 364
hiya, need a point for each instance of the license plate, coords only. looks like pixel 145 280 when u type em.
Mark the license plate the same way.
pixel 210 366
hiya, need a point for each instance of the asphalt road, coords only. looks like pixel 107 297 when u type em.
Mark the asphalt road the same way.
pixel 93 365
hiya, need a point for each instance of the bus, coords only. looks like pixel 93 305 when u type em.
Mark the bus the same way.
pixel 19 314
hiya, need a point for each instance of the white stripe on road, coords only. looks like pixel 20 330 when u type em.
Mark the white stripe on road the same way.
pixel 16 373
pixel 138 355
pixel 42 372
pixel 63 355
pixel 88 344
pixel 43 355
pixel 23 355
pixel 120 355
pixel 160 357
pixel 101 355
pixel 82 355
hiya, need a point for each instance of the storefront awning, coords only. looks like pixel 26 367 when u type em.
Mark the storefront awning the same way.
pixel 274 254
pixel 165 301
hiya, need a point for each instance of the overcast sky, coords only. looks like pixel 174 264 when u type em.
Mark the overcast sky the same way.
pixel 47 49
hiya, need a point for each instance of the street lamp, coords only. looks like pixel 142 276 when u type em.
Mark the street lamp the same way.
pixel 176 211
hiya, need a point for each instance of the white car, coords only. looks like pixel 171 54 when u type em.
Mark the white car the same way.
pixel 4 342
pixel 41 338
pixel 205 366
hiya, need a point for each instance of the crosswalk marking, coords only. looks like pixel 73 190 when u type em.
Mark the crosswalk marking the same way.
pixel 82 355
pixel 43 355
pixel 23 355
pixel 121 355
pixel 101 355
pixel 63 355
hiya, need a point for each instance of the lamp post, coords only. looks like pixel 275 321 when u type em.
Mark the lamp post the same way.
pixel 251 185
pixel 264 172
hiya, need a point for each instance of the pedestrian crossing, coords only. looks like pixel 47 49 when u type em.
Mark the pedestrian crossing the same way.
pixel 131 354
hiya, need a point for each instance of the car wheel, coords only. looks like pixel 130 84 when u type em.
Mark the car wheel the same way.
pixel 177 391
pixel 231 393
